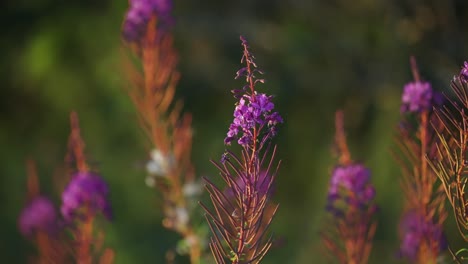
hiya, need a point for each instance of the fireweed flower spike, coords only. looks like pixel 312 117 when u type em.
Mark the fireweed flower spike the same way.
pixel 85 195
pixel 254 111
pixel 39 221
pixel 422 239
pixel 418 96
pixel 39 214
pixel 350 225
pixel 450 163
pixel 243 210
pixel 153 87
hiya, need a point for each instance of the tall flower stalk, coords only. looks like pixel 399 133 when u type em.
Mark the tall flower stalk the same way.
pixel 243 210
pixel 71 237
pixel 350 225
pixel 154 79
pixel 85 195
pixel 422 239
pixel 39 221
pixel 450 163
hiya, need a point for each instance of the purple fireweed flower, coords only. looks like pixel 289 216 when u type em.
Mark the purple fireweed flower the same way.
pixel 244 206
pixel 252 112
pixel 417 97
pixel 350 189
pixel 38 214
pixel 351 209
pixel 139 14
pixel 417 231
pixel 254 118
pixel 350 186
pixel 85 195
pixel 464 72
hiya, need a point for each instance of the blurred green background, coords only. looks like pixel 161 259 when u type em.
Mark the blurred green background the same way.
pixel 318 56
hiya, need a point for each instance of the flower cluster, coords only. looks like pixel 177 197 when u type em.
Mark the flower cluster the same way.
pixel 417 97
pixel 139 14
pixel 85 195
pixel 39 214
pixel 253 110
pixel 464 72
pixel 417 232
pixel 351 184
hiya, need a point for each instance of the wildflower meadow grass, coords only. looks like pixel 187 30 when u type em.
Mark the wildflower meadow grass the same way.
pixel 161 131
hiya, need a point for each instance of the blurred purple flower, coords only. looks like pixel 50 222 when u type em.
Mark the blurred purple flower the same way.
pixel 437 98
pixel 85 195
pixel 38 214
pixel 464 72
pixel 417 97
pixel 350 186
pixel 263 186
pixel 417 231
pixel 140 12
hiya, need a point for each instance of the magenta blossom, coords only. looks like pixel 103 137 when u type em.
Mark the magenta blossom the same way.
pixel 418 231
pixel 464 72
pixel 85 195
pixel 252 112
pixel 38 215
pixel 350 186
pixel 139 14
pixel 417 97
